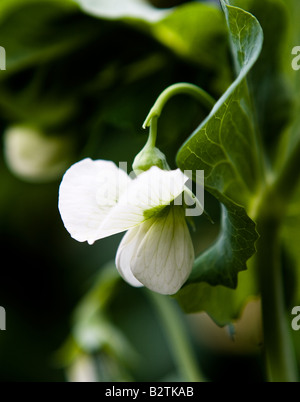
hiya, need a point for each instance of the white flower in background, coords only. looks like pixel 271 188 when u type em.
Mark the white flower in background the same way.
pixel 115 9
pixel 34 156
pixel 97 199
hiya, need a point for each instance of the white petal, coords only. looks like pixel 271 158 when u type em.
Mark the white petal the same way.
pixel 164 258
pixel 125 253
pixel 146 196
pixel 88 191
pixel 116 9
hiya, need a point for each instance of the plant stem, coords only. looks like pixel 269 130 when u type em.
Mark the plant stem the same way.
pixel 279 354
pixel 180 346
pixel 152 133
pixel 288 177
pixel 182 88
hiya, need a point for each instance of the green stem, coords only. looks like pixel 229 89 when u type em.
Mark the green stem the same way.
pixel 279 352
pixel 278 348
pixel 269 215
pixel 152 133
pixel 288 178
pixel 174 327
pixel 181 88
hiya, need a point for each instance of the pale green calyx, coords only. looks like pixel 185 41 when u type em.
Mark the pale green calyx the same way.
pixel 149 156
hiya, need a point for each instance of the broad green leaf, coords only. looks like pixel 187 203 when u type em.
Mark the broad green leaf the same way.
pixel 225 147
pixel 221 263
pixel 225 144
pixel 221 303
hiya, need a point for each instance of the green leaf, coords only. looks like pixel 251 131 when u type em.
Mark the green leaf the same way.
pixel 225 144
pixel 271 88
pixel 225 147
pixel 222 304
pixel 221 263
pixel 212 285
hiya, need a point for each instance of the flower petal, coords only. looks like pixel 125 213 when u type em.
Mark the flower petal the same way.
pixel 146 197
pixel 164 258
pixel 88 191
pixel 118 9
pixel 125 252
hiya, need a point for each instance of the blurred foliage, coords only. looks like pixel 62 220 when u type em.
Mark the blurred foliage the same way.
pixel 91 82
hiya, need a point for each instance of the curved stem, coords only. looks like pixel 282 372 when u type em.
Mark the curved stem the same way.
pixel 152 133
pixel 181 88
pixel 177 336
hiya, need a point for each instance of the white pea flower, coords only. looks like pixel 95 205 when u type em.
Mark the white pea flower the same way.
pixel 97 199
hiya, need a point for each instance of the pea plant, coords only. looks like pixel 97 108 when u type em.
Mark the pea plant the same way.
pixel 210 211
pixel 255 183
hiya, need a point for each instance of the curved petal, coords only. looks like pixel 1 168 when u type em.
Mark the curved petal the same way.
pixel 146 197
pixel 164 258
pixel 88 191
pixel 125 252
pixel 118 9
